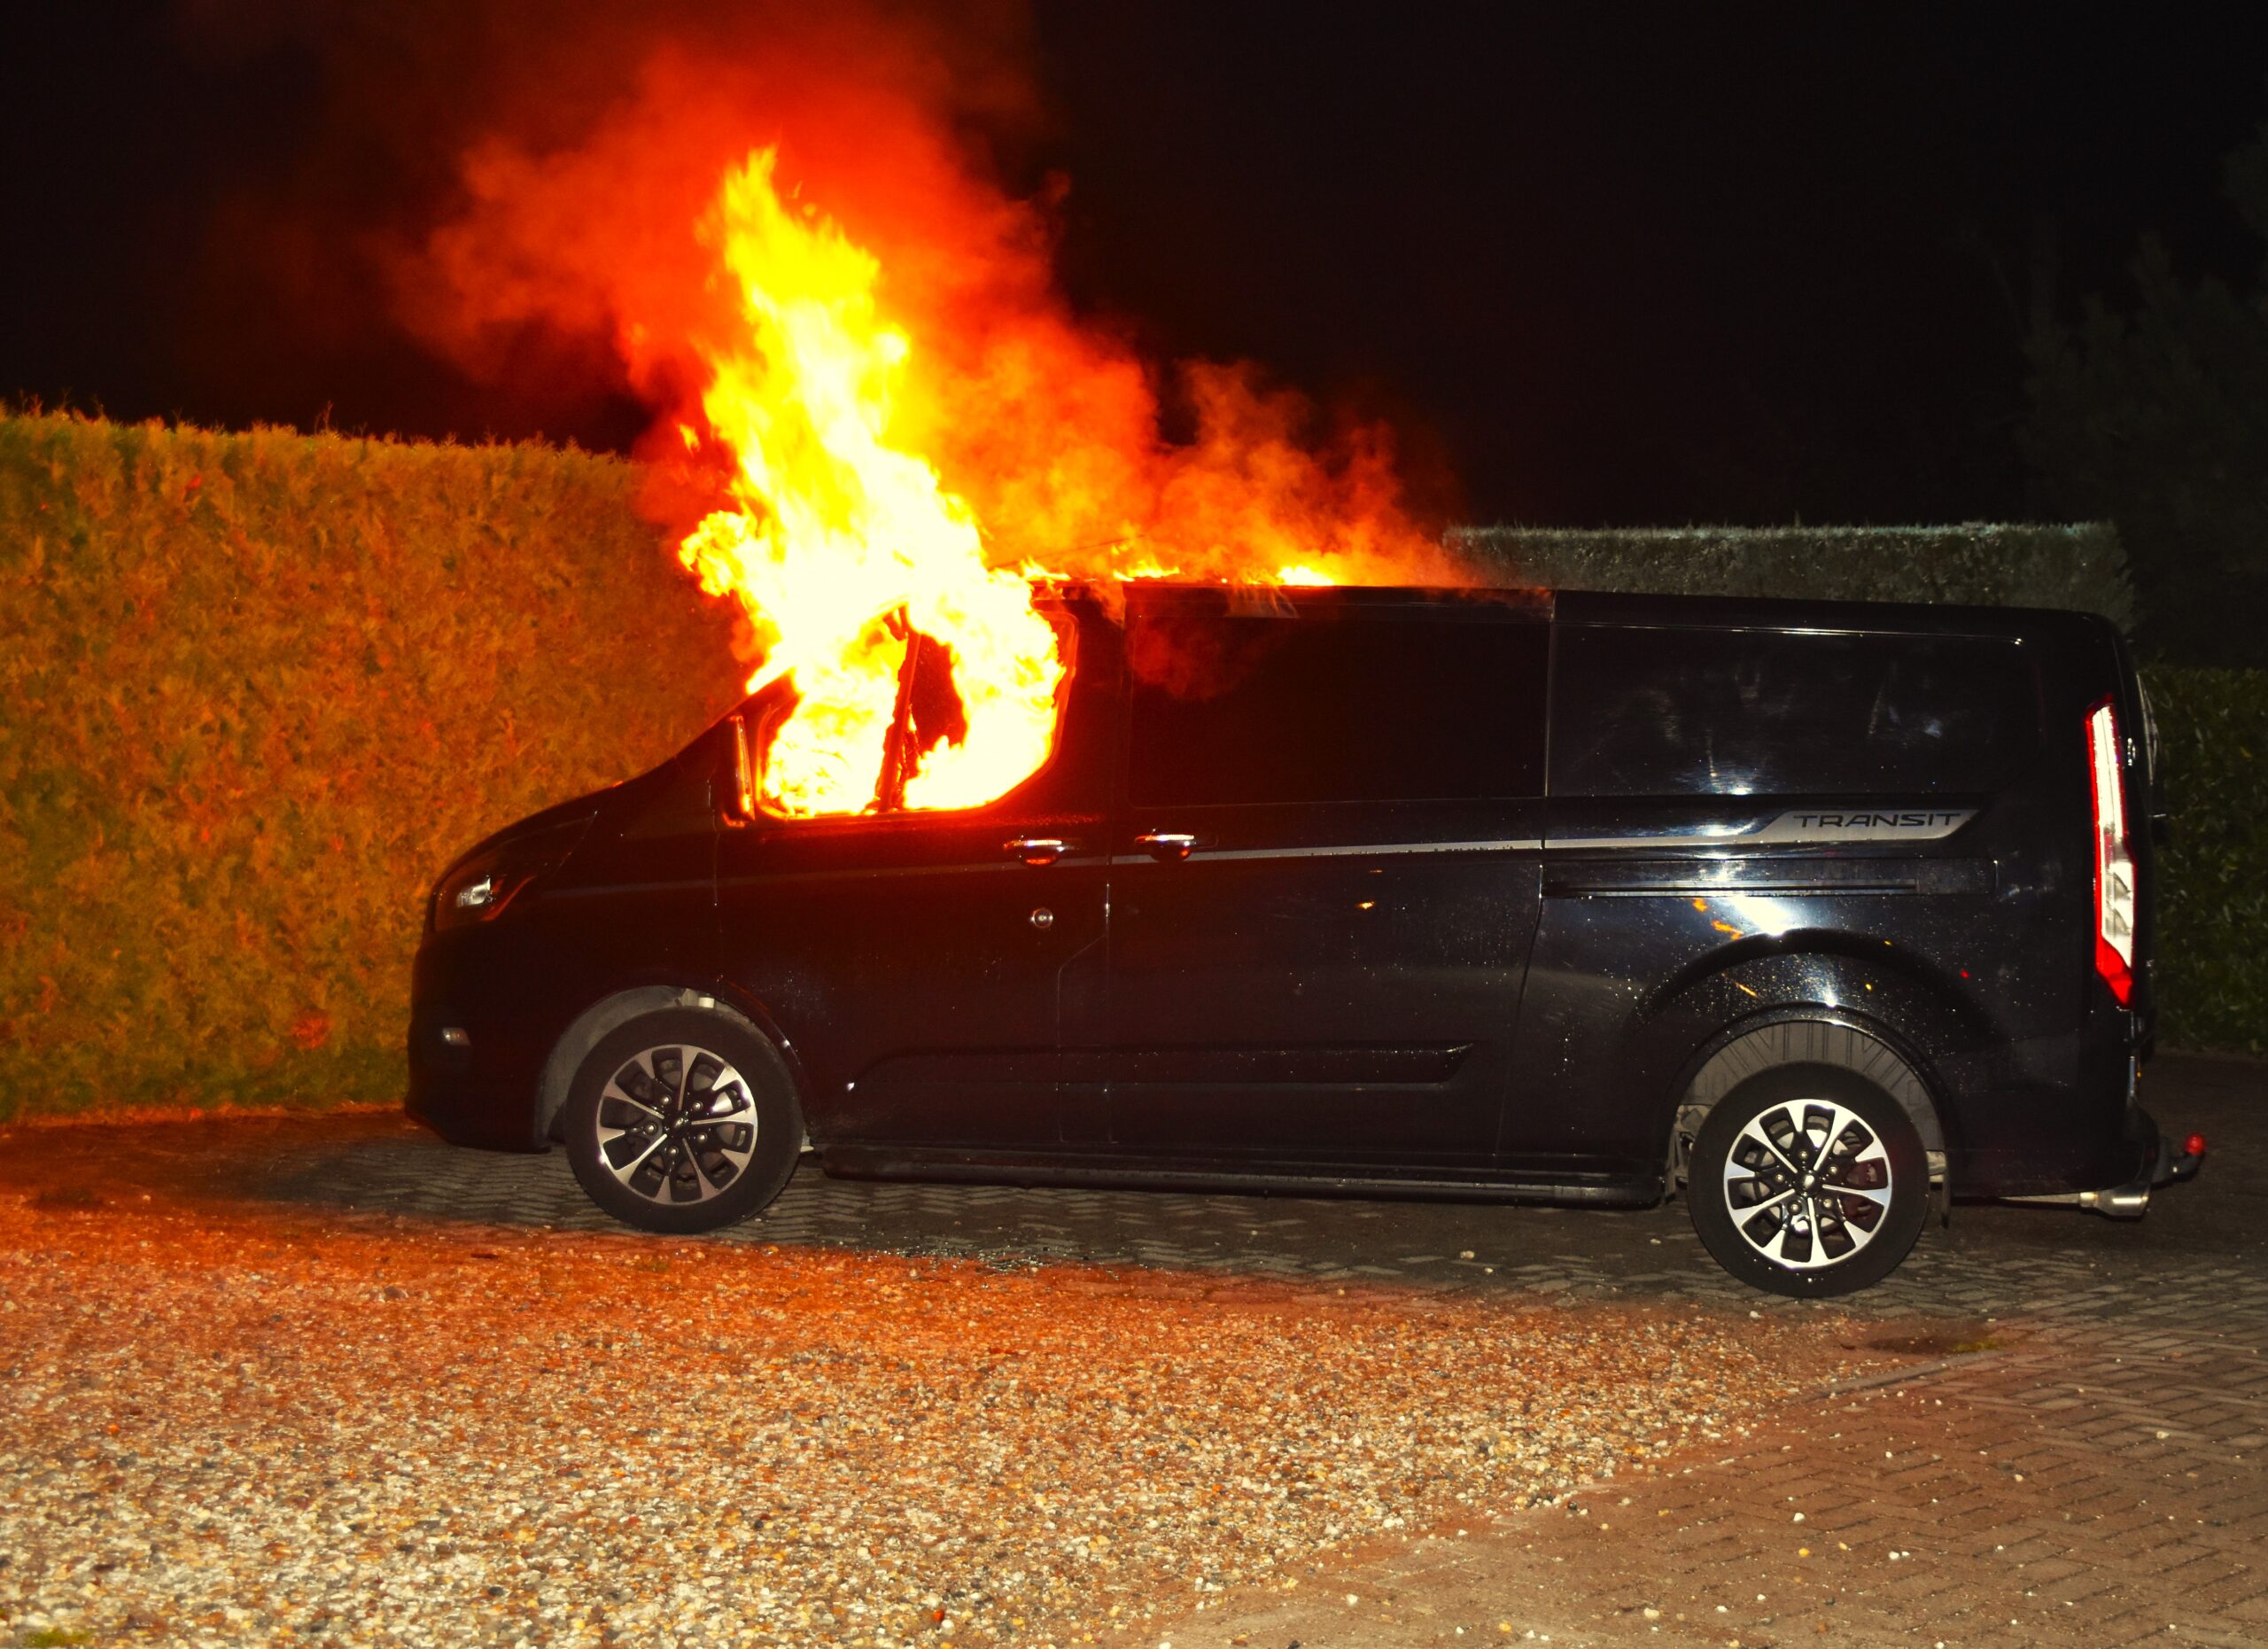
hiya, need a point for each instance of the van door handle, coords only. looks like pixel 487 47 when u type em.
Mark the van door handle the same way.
pixel 1167 846
pixel 1037 849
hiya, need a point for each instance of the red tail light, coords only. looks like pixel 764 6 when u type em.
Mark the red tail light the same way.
pixel 2114 858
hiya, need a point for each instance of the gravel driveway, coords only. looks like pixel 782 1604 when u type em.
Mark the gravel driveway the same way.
pixel 228 1419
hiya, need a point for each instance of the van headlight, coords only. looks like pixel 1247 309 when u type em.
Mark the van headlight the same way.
pixel 478 888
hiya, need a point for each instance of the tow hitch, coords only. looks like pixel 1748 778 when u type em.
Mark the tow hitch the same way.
pixel 2161 1166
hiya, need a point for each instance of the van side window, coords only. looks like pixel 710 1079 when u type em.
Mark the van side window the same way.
pixel 1670 711
pixel 1333 707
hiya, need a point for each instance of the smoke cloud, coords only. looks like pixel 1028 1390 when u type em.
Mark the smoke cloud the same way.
pixel 524 190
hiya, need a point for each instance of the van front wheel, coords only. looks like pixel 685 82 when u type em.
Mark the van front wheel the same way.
pixel 683 1121
pixel 1808 1180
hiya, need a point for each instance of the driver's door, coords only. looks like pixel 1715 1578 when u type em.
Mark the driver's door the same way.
pixel 931 969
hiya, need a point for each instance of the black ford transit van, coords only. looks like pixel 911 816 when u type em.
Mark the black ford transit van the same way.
pixel 1822 913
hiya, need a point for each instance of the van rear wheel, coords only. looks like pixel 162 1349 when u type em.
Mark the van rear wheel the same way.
pixel 683 1121
pixel 1808 1180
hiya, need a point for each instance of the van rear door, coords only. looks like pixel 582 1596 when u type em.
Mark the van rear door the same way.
pixel 1728 784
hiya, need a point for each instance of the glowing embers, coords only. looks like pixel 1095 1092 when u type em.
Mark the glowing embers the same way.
pixel 1808 1183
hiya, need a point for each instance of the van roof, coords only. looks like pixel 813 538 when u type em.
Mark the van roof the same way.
pixel 1613 607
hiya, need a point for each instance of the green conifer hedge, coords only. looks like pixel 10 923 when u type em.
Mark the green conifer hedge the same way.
pixel 2213 870
pixel 258 689
pixel 1987 564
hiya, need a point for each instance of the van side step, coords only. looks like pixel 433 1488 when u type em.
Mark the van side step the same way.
pixel 1134 1174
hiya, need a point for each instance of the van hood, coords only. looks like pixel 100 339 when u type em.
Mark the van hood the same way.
pixel 574 810
pixel 618 802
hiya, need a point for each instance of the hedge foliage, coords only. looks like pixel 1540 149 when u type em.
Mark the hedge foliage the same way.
pixel 2080 567
pixel 2213 881
pixel 259 689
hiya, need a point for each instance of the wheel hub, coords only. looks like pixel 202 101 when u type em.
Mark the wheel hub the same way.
pixel 1807 1183
pixel 677 1123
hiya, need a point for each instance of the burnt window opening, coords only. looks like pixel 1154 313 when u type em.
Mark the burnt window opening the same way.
pixel 929 711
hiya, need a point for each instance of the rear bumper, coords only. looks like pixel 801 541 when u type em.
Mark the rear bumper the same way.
pixel 2159 1164
pixel 2050 1116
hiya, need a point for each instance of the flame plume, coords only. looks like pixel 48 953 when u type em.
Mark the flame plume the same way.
pixel 859 568
pixel 844 549
pixel 876 422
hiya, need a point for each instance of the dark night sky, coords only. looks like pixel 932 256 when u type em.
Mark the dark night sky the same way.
pixel 1614 264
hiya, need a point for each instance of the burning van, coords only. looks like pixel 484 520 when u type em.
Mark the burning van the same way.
pixel 1819 915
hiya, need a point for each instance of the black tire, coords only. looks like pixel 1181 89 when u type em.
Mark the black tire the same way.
pixel 659 1146
pixel 1846 1227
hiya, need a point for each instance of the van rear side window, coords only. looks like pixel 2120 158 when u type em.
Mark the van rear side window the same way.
pixel 1669 711
pixel 1239 710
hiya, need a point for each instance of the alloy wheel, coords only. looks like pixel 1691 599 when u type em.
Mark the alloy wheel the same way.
pixel 1807 1183
pixel 676 1124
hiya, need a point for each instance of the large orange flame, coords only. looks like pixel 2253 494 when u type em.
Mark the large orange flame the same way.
pixel 878 417
pixel 848 551
pixel 843 547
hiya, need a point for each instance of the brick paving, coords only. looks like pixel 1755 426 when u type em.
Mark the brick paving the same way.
pixel 2081 1464
pixel 2073 1456
pixel 1989 1500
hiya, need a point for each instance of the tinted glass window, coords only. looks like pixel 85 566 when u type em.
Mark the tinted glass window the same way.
pixel 1336 707
pixel 1738 713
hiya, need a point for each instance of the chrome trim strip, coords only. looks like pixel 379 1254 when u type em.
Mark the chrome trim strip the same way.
pixel 875 873
pixel 1801 827
pixel 1809 826
pixel 1368 849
